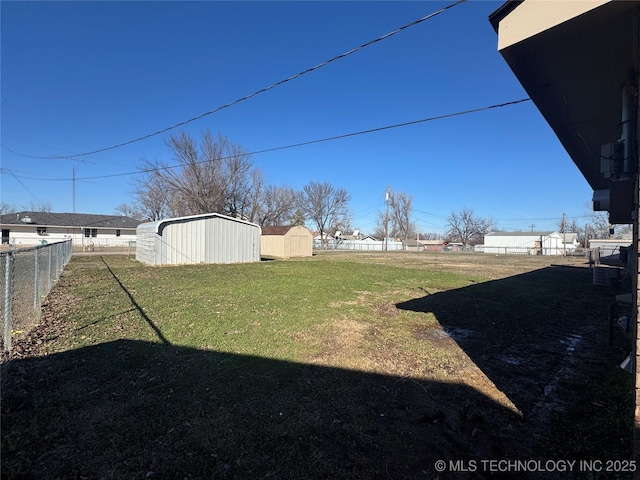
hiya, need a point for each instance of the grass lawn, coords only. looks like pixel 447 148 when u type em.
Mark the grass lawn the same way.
pixel 335 366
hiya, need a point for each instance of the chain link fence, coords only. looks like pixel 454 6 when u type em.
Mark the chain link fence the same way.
pixel 27 276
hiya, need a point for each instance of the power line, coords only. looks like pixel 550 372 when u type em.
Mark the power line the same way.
pixel 310 142
pixel 18 180
pixel 429 213
pixel 70 157
pixel 270 87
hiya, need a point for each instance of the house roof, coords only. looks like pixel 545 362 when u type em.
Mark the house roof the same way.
pixel 569 237
pixel 413 243
pixel 50 219
pixel 276 230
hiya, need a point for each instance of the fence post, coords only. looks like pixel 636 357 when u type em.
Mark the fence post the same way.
pixel 36 285
pixel 57 271
pixel 7 302
pixel 49 271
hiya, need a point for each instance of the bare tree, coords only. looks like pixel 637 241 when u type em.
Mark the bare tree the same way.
pixel 237 169
pixel 6 208
pixel 213 175
pixel 401 208
pixel 326 206
pixel 129 210
pixel 152 195
pixel 344 225
pixel 44 207
pixel 466 228
pixel 198 185
pixel 278 206
pixel 255 196
pixel 298 217
pixel 599 227
pixel 385 227
pixel 380 229
pixel 431 236
pixel 566 226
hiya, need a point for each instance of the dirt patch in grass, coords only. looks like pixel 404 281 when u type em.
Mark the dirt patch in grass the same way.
pixel 342 338
pixel 386 310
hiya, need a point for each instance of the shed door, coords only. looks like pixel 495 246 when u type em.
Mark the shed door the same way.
pixel 5 235
pixel 296 246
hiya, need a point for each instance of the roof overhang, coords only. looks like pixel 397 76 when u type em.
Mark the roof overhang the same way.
pixel 574 58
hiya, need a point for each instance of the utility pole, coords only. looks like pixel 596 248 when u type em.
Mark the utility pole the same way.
pixel 73 185
pixel 586 244
pixel 564 236
pixel 532 227
pixel 386 221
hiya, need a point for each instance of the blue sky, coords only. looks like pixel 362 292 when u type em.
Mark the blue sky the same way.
pixel 81 76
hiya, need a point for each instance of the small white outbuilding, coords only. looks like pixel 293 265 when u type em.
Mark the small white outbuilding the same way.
pixel 206 238
pixel 524 243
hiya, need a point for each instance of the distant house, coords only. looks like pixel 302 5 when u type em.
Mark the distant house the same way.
pixel 35 228
pixel 206 238
pixel 363 243
pixel 454 247
pixel 412 245
pixel 286 242
pixel 524 243
pixel 325 236
pixel 570 241
pixel 432 245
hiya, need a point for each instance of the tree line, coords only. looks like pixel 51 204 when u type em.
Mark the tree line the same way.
pixel 213 174
pixel 216 175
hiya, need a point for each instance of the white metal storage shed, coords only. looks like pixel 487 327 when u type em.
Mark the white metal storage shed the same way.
pixel 524 243
pixel 207 238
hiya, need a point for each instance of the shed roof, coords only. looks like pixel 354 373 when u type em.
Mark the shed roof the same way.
pixel 159 225
pixel 611 240
pixel 69 220
pixel 276 230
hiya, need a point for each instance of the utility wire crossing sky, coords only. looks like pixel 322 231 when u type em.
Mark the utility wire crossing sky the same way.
pixel 144 64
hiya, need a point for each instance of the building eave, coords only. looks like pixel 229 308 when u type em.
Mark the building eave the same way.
pixel 573 58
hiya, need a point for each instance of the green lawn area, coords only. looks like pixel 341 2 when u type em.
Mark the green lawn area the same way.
pixel 335 366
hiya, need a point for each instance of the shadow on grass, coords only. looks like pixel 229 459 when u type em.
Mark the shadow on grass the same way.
pixel 541 337
pixel 135 304
pixel 132 409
